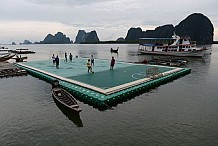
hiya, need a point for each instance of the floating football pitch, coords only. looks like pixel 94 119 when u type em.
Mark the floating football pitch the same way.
pixel 104 86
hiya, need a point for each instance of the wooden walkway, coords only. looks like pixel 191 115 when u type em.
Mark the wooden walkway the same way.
pixel 10 70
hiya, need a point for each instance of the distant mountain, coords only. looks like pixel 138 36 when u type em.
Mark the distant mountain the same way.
pixel 58 38
pixel 92 37
pixel 83 37
pixel 165 31
pixel 26 42
pixel 121 39
pixel 196 25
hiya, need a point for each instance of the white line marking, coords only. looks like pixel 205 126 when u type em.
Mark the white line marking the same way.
pixel 139 74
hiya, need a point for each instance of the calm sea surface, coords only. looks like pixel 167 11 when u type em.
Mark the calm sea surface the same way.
pixel 181 112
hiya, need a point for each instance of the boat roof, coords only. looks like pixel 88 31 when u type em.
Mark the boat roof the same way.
pixel 156 38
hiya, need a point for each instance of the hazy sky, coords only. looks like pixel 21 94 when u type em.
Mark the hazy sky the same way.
pixel 34 19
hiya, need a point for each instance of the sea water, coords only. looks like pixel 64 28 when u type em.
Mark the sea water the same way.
pixel 182 112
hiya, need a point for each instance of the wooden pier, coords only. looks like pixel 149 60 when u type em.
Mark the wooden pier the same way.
pixel 10 70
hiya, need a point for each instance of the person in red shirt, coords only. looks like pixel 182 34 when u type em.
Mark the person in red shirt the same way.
pixel 112 63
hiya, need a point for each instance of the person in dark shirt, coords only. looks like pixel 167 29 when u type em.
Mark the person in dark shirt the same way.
pixel 57 62
pixel 92 60
pixel 71 57
pixel 66 56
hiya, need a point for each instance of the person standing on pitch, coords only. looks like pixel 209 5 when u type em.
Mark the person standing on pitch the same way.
pixel 66 56
pixel 89 66
pixel 92 60
pixel 112 63
pixel 57 62
pixel 70 57
pixel 53 59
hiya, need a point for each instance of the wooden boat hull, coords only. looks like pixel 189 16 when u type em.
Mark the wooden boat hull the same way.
pixel 180 54
pixel 66 99
pixel 22 52
pixel 114 51
pixel 6 57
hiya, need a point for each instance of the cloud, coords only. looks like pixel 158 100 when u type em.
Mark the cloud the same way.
pixel 152 22
pixel 20 30
pixel 107 17
pixel 70 3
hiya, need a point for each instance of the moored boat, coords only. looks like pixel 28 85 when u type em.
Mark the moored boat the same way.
pixel 114 50
pixel 22 51
pixel 175 46
pixel 19 58
pixel 65 98
pixel 6 56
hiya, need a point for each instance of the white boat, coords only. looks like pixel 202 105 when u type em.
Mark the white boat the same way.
pixel 175 46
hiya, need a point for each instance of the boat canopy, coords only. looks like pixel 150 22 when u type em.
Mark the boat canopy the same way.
pixel 156 39
pixel 146 41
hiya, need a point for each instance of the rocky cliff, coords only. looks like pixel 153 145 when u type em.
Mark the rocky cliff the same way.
pixel 165 31
pixel 120 39
pixel 92 37
pixel 83 37
pixel 58 38
pixel 26 42
pixel 196 25
pixel 134 34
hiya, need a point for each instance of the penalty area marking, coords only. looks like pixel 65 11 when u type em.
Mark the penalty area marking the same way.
pixel 139 75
